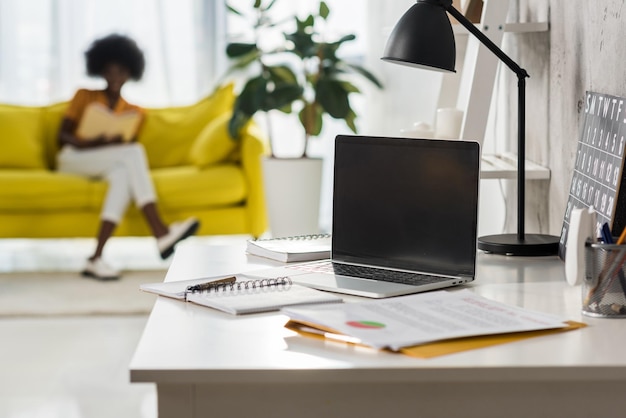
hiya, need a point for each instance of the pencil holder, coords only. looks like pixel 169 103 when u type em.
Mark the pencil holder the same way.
pixel 604 286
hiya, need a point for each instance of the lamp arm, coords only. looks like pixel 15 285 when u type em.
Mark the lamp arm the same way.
pixel 521 122
pixel 447 5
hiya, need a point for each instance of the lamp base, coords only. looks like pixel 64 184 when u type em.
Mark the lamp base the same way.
pixel 508 244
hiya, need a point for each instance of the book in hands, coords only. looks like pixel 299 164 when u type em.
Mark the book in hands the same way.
pixel 290 249
pixel 98 120
pixel 255 296
pixel 408 321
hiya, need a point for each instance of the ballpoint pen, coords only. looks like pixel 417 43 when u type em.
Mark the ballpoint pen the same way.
pixel 210 285
pixel 605 232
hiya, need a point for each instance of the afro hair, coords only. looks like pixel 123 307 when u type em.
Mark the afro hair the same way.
pixel 116 49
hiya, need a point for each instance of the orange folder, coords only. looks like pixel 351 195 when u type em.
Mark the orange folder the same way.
pixel 438 348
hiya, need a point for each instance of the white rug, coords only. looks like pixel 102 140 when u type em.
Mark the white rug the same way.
pixel 40 277
pixel 128 253
pixel 68 293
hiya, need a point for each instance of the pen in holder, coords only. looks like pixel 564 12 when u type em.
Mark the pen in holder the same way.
pixel 604 284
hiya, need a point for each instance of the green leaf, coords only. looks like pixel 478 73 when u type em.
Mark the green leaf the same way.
pixel 257 4
pixel 307 23
pixel 252 97
pixel 345 38
pixel 311 119
pixel 236 123
pixel 329 50
pixel 282 96
pixel 349 87
pixel 286 109
pixel 242 63
pixel 282 74
pixel 233 10
pixel 350 121
pixel 324 10
pixel 237 49
pixel 269 6
pixel 333 97
pixel 246 60
pixel 303 44
pixel 371 77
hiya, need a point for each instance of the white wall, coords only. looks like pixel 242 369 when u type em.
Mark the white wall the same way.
pixel 584 50
pixel 409 96
pixel 413 95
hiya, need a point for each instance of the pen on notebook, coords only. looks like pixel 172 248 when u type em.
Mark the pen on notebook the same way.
pixel 209 285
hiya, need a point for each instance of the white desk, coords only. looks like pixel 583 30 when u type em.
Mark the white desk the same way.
pixel 208 363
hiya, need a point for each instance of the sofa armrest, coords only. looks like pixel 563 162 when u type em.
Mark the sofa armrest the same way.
pixel 254 147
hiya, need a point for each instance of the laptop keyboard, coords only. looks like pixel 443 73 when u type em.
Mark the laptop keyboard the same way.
pixel 371 273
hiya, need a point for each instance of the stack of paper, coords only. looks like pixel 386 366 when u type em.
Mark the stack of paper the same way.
pixel 401 323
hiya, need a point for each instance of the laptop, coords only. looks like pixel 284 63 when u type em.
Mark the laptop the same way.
pixel 404 218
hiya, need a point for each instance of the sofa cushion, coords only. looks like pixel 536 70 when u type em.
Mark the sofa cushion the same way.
pixel 177 188
pixel 214 143
pixel 190 187
pixel 52 116
pixel 20 137
pixel 182 125
pixel 43 190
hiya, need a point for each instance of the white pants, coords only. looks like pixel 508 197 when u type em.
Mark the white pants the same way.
pixel 123 166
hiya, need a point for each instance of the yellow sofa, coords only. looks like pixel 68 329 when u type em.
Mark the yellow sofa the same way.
pixel 197 171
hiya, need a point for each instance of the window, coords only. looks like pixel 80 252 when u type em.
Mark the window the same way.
pixel 42 44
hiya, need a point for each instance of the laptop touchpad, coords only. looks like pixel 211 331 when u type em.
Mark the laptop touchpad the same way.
pixel 350 285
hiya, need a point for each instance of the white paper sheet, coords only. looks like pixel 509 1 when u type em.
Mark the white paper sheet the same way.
pixel 416 319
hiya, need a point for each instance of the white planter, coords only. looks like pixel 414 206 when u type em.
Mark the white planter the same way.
pixel 292 192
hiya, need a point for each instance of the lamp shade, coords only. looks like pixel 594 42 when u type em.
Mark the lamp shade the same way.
pixel 423 38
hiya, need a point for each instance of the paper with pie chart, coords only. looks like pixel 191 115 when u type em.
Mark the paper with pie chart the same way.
pixel 411 320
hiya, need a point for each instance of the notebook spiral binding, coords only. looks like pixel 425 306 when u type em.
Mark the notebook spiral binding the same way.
pixel 296 237
pixel 250 284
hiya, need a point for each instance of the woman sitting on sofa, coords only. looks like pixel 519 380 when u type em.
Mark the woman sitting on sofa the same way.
pixel 122 163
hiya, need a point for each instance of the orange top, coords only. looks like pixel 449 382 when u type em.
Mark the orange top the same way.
pixel 84 97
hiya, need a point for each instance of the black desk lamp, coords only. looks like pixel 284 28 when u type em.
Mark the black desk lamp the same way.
pixel 423 38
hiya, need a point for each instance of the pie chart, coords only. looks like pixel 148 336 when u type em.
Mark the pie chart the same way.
pixel 366 324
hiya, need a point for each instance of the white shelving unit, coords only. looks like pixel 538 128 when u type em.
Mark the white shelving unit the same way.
pixel 471 88
pixel 504 166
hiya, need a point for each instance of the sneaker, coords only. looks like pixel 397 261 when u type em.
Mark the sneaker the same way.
pixel 98 269
pixel 178 232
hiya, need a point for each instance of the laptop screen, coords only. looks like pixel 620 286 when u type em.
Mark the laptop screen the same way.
pixel 406 203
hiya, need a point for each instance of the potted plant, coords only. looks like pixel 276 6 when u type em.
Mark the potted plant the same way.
pixel 302 74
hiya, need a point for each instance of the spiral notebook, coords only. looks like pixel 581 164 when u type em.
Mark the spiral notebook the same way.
pixel 253 296
pixel 290 249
